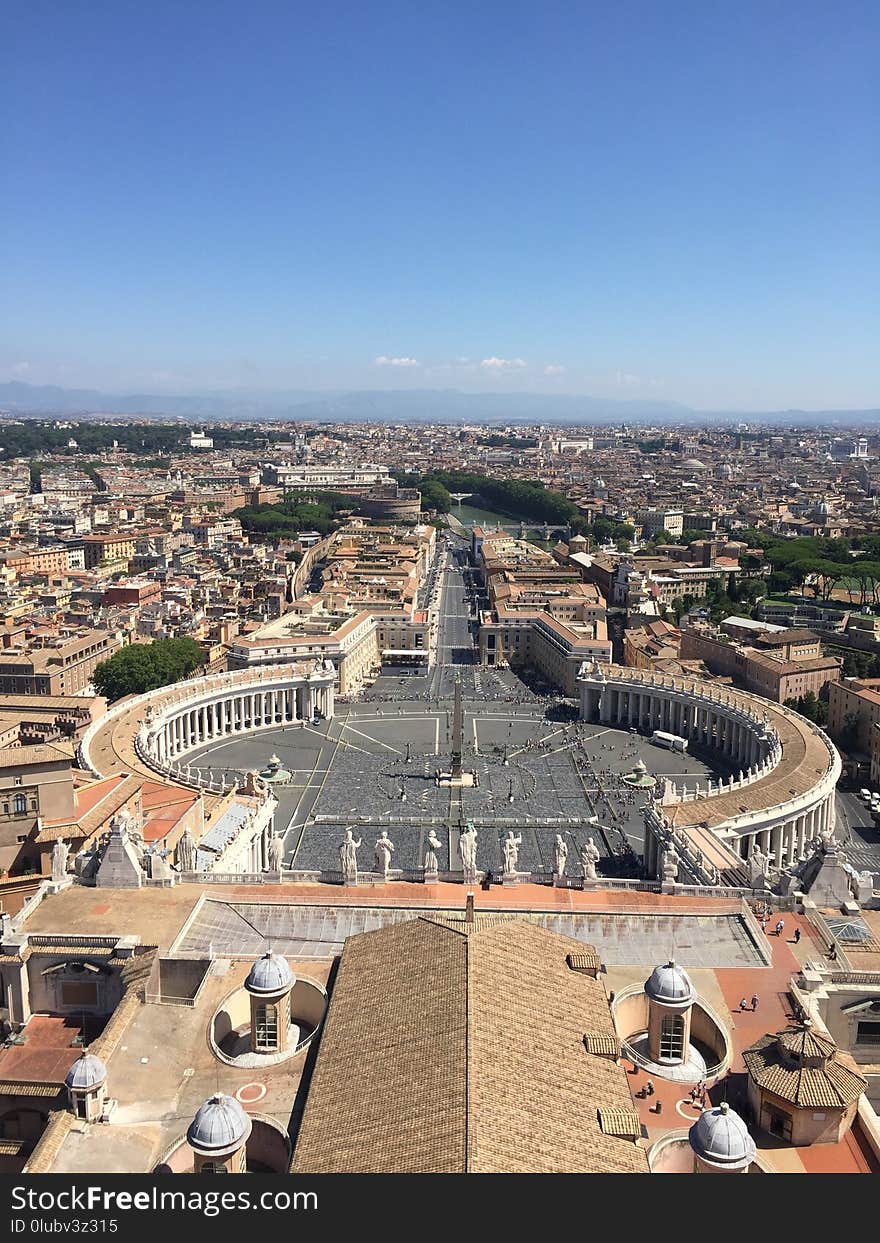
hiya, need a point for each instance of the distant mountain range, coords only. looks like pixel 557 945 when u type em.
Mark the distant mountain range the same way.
pixel 396 406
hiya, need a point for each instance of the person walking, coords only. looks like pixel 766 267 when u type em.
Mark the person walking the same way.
pixel 797 936
pixel 754 1002
pixel 649 1087
pixel 780 925
pixel 743 1005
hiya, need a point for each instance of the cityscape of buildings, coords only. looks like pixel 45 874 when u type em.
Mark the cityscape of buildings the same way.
pixel 518 809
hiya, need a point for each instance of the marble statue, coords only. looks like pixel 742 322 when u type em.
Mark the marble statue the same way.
pixel 511 846
pixel 159 869
pixel 186 852
pixel 669 864
pixel 276 852
pixel 467 851
pixel 828 839
pixel 60 852
pixel 348 849
pixel 590 856
pixel 759 865
pixel 85 862
pixel 121 821
pixel 560 855
pixel 434 844
pixel 384 851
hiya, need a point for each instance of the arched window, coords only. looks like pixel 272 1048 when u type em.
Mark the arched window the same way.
pixel 213 1167
pixel 672 1038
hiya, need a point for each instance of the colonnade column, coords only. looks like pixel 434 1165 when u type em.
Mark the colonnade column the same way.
pixel 777 845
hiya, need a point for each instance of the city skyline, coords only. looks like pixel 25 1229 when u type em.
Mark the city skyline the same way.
pixel 612 204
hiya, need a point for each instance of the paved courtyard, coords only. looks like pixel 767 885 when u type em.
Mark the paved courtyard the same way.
pixel 374 765
pixel 538 770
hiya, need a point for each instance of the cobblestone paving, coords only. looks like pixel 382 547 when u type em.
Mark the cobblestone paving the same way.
pixel 536 774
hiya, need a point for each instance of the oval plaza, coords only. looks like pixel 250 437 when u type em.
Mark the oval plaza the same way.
pixel 776 798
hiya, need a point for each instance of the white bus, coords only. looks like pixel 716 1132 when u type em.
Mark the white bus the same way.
pixel 672 742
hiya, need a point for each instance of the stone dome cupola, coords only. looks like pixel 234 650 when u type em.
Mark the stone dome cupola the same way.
pixel 86 1074
pixel 270 976
pixel 86 1084
pixel 721 1141
pixel 218 1135
pixel 670 986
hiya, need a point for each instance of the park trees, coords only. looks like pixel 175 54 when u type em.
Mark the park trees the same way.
pixel 146 666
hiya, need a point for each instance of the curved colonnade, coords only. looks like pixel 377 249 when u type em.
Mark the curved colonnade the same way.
pixel 163 726
pixel 782 797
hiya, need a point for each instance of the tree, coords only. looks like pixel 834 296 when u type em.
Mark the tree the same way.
pixel 750 590
pixel 146 666
pixel 849 735
pixel 781 582
pixel 435 496
pixel 814 709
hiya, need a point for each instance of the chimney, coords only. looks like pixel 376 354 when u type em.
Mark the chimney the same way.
pixel 469 909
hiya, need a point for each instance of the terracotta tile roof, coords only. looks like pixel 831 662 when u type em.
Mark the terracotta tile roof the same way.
pixel 456 1047
pixel 9 1087
pixel 805 1068
pixel 804 1043
pixel 39 753
pixel 96 803
pixel 623 1123
pixel 589 962
pixel 805 761
pixel 602 1045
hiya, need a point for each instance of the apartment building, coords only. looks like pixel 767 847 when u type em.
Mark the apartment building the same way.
pixel 58 666
pixel 778 666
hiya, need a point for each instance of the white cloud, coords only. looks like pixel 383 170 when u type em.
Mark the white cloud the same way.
pixel 503 364
pixel 627 380
pixel 384 361
pixel 553 369
pixel 21 368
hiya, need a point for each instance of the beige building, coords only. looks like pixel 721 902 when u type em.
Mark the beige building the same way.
pixel 779 666
pixel 62 666
pixel 556 649
pixel 542 615
pixel 110 549
pixel 651 644
pixel 36 783
pixel 801 1087
pixel 653 521
pixel 854 701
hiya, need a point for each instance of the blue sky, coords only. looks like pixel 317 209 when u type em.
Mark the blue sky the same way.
pixel 670 200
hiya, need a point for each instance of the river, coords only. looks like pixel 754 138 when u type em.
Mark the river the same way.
pixel 470 516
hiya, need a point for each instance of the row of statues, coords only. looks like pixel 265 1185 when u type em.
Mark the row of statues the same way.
pixel 467 852
pixel 384 852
